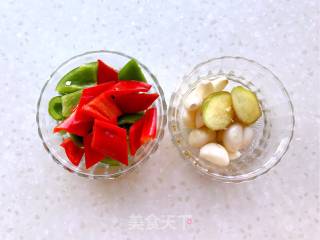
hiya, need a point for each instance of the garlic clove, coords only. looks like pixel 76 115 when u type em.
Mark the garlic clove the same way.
pixel 248 134
pixel 219 84
pixel 232 137
pixel 215 153
pixel 193 101
pixel 199 137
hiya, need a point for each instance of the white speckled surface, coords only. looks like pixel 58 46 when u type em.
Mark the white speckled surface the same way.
pixel 39 200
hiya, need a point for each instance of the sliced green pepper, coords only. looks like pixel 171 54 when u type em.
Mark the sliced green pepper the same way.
pixel 69 102
pixel 129 118
pixel 78 140
pixel 55 108
pixel 131 71
pixel 110 161
pixel 78 78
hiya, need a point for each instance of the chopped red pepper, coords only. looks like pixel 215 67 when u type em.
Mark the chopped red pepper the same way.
pixel 106 73
pixel 110 140
pixel 135 132
pixel 149 130
pixel 75 126
pixel 103 108
pixel 126 87
pixel 73 152
pixel 92 156
pixel 135 102
pixel 88 94
pixel 95 91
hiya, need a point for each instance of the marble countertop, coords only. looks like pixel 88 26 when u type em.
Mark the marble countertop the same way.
pixel 166 198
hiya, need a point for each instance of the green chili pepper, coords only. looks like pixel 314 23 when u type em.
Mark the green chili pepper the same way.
pixel 131 71
pixel 55 108
pixel 78 78
pixel 129 118
pixel 78 140
pixel 110 161
pixel 69 102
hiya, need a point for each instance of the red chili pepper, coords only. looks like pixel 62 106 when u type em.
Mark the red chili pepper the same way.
pixel 75 126
pixel 106 73
pixel 135 132
pixel 135 102
pixel 103 108
pixel 110 140
pixel 73 152
pixel 95 91
pixel 91 156
pixel 149 130
pixel 125 87
pixel 88 94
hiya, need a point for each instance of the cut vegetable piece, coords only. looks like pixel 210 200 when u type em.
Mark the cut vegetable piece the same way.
pixel 73 152
pixel 73 125
pixel 110 140
pixel 246 105
pixel 135 102
pixel 88 94
pixel 126 87
pixel 70 102
pixel 135 132
pixel 91 156
pixel 217 111
pixel 78 78
pixel 110 162
pixel 149 130
pixel 55 108
pixel 106 73
pixel 131 71
pixel 92 92
pixel 129 118
pixel 103 108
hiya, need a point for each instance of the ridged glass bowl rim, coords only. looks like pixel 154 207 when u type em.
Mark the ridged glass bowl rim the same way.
pixel 154 144
pixel 264 168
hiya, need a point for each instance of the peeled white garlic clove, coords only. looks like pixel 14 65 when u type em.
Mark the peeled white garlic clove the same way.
pixel 234 155
pixel 248 134
pixel 188 118
pixel 199 137
pixel 215 153
pixel 206 88
pixel 193 101
pixel 198 119
pixel 219 84
pixel 232 137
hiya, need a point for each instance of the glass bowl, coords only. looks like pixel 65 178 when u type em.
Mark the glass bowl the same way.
pixel 273 131
pixel 52 141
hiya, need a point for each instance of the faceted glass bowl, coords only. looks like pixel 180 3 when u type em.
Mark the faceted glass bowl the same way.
pixel 273 131
pixel 51 141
